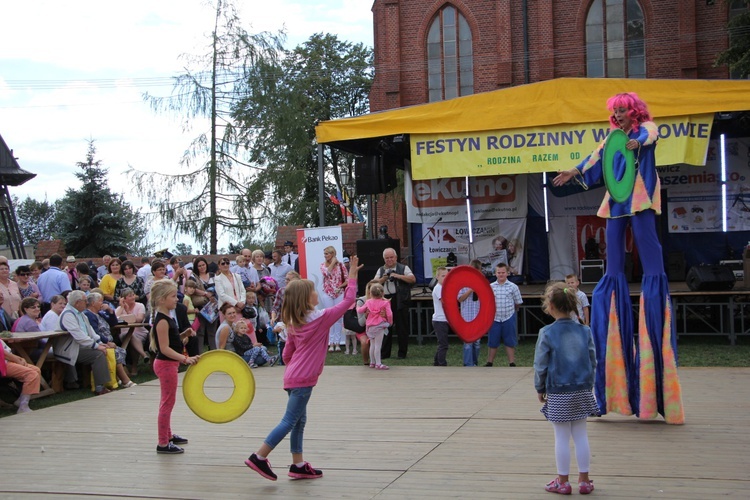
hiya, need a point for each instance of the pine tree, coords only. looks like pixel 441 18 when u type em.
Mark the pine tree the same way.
pixel 93 221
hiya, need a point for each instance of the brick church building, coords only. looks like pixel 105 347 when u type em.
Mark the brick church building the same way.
pixel 427 50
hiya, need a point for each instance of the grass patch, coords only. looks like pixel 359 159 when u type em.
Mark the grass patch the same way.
pixel 695 351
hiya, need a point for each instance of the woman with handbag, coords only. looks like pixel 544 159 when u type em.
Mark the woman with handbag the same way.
pixel 205 295
pixel 334 283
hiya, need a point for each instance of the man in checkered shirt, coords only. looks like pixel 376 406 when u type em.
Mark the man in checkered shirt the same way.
pixel 507 302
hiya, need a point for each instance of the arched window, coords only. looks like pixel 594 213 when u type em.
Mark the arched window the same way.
pixel 450 68
pixel 615 46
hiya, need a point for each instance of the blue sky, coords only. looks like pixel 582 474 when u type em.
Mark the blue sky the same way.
pixel 71 71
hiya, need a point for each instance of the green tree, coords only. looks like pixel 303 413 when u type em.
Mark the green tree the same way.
pixel 737 56
pixel 183 249
pixel 36 219
pixel 322 79
pixel 215 176
pixel 95 221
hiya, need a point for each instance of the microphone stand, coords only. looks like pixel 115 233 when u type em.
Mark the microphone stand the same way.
pixel 425 291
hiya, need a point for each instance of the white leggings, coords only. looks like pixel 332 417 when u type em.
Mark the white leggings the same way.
pixel 563 432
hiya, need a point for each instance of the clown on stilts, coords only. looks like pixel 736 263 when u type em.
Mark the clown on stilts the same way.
pixel 632 378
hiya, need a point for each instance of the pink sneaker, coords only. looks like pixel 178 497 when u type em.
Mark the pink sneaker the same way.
pixel 584 488
pixel 555 486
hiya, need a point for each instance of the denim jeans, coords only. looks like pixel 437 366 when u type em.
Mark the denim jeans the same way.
pixel 471 352
pixel 257 355
pixel 293 420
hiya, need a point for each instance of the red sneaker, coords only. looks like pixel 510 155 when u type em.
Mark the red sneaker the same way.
pixel 584 488
pixel 555 486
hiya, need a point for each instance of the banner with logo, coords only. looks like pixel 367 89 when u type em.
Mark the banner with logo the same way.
pixel 682 139
pixel 694 198
pixel 495 197
pixel 494 242
pixel 311 242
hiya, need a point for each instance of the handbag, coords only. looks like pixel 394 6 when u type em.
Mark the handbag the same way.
pixel 112 365
pixel 351 321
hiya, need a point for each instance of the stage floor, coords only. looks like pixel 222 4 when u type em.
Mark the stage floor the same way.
pixel 411 432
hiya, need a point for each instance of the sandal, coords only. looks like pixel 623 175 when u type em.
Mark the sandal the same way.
pixel 584 488
pixel 555 486
pixel 382 367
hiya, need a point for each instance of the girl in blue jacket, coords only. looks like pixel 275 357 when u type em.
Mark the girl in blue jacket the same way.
pixel 564 364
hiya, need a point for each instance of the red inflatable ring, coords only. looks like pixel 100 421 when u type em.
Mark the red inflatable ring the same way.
pixel 461 277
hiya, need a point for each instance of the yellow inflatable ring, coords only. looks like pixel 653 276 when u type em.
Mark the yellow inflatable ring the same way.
pixel 208 409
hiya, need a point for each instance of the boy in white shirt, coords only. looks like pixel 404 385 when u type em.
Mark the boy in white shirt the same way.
pixel 584 308
pixel 439 321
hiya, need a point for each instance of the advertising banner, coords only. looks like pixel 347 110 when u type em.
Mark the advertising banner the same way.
pixel 494 241
pixel 694 201
pixel 495 197
pixel 311 242
pixel 683 139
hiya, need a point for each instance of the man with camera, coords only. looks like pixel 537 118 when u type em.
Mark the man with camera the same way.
pixel 397 280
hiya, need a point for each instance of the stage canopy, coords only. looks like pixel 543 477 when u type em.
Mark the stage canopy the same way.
pixel 553 114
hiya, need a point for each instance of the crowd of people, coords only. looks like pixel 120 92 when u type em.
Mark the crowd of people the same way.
pixel 222 303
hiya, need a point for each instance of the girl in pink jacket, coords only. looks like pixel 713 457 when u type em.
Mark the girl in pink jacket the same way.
pixel 379 318
pixel 304 356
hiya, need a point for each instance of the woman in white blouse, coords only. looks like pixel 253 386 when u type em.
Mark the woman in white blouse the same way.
pixel 229 287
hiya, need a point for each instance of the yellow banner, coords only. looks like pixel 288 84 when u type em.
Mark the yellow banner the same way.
pixel 545 149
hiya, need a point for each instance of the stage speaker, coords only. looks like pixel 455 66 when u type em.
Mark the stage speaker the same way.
pixel 592 270
pixel 676 266
pixel 370 253
pixel 388 179
pixel 710 278
pixel 374 175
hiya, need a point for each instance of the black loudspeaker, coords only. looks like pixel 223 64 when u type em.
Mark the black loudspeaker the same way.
pixel 374 175
pixel 592 270
pixel 710 278
pixel 676 266
pixel 370 254
pixel 388 179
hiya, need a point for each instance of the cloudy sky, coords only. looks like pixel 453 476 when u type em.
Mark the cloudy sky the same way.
pixel 76 70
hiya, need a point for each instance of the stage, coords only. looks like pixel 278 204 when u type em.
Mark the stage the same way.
pixel 411 432
pixel 725 313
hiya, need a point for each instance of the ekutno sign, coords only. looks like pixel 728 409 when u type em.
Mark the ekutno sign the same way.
pixel 452 192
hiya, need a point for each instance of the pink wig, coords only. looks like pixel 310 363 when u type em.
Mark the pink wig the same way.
pixel 637 109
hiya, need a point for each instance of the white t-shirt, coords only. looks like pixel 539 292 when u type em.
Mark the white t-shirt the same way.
pixel 50 322
pixel 583 301
pixel 437 293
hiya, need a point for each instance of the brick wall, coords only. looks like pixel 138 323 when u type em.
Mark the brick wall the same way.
pixel 683 38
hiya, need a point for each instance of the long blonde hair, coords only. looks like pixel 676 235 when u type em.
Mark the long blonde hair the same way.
pixel 334 260
pixel 297 303
pixel 368 287
pixel 159 291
